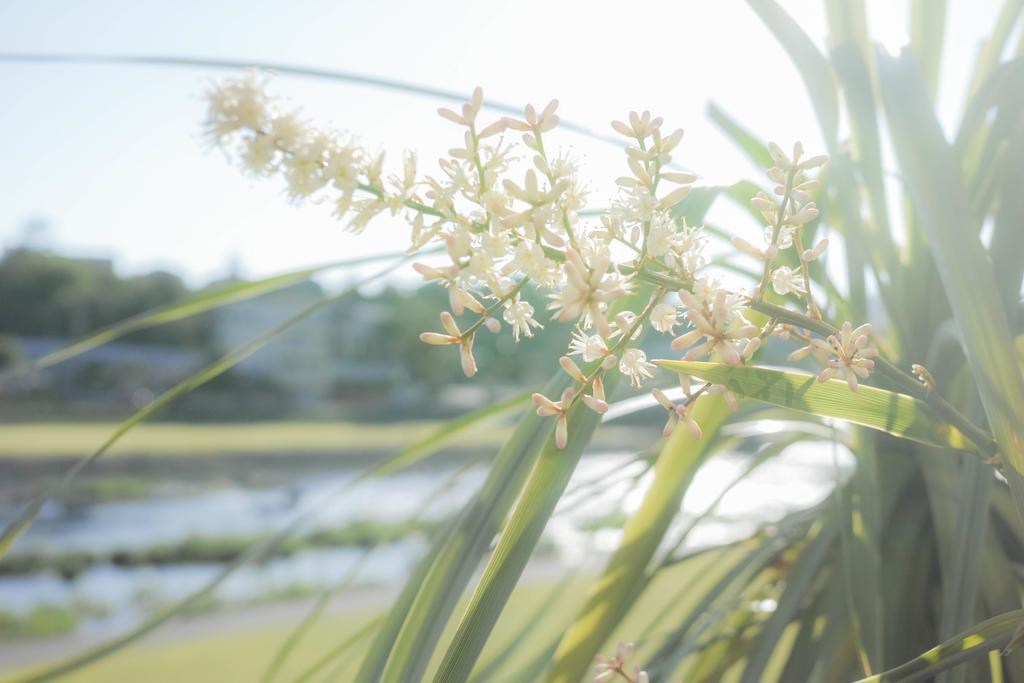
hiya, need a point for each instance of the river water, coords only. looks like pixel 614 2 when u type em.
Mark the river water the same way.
pixel 115 597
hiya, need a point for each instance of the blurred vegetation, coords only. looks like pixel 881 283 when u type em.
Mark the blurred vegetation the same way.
pixel 45 294
pixel 201 549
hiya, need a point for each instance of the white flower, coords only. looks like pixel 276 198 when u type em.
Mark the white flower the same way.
pixel 591 348
pixel 721 326
pixel 689 246
pixel 663 317
pixel 519 315
pixel 786 280
pixel 587 290
pixel 238 104
pixel 635 366
pixel 529 258
pixel 853 356
pixel 661 234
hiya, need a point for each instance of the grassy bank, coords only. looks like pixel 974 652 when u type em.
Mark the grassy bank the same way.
pixel 68 439
pixel 203 549
pixel 243 655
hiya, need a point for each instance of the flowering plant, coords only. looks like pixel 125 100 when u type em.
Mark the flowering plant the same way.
pixel 510 213
pixel 510 210
pixel 919 545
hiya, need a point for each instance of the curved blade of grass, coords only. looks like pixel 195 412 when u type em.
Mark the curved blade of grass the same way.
pixel 18 526
pixel 352 574
pixel 927 30
pixel 668 557
pixel 755 149
pixel 611 595
pixel 887 411
pixel 855 79
pixel 337 651
pixel 812 65
pixel 403 648
pixel 292 70
pixel 930 172
pixel 960 590
pixel 489 670
pixel 847 23
pixel 857 508
pixel 191 306
pixel 447 433
pixel 992 48
pixel 681 642
pixel 1007 246
pixel 978 641
pixel 543 488
pixel 822 537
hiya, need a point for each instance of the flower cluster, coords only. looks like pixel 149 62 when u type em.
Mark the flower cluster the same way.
pixel 608 668
pixel 508 212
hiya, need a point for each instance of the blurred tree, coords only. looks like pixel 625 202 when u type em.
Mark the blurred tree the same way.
pixel 44 294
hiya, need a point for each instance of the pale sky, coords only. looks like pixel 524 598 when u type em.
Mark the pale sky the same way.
pixel 112 157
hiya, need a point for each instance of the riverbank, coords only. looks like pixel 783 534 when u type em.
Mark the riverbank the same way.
pixel 154 457
pixel 238 645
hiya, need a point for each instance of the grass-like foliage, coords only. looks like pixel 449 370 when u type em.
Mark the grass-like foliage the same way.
pixel 910 568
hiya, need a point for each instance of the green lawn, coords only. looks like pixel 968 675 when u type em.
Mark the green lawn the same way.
pixel 244 655
pixel 63 439
pixel 76 438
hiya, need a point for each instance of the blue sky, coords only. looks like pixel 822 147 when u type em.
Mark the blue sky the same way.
pixel 112 157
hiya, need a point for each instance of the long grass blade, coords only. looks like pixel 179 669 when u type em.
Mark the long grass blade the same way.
pixel 978 641
pixel 336 75
pixel 612 594
pixel 323 601
pixel 543 488
pixel 927 30
pixel 402 651
pixel 812 65
pixel 931 174
pixel 798 581
pixel 887 411
pixel 755 149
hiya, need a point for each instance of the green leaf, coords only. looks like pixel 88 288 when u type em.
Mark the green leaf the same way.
pixel 855 79
pixel 887 411
pixel 336 652
pixel 860 539
pixel 848 23
pixel 812 65
pixel 755 149
pixel 616 589
pixel 992 47
pixel 540 494
pixel 960 582
pixel 798 582
pixel 927 30
pixel 1007 246
pixel 403 649
pixel 978 641
pixel 932 177
pixel 713 605
pixel 447 433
